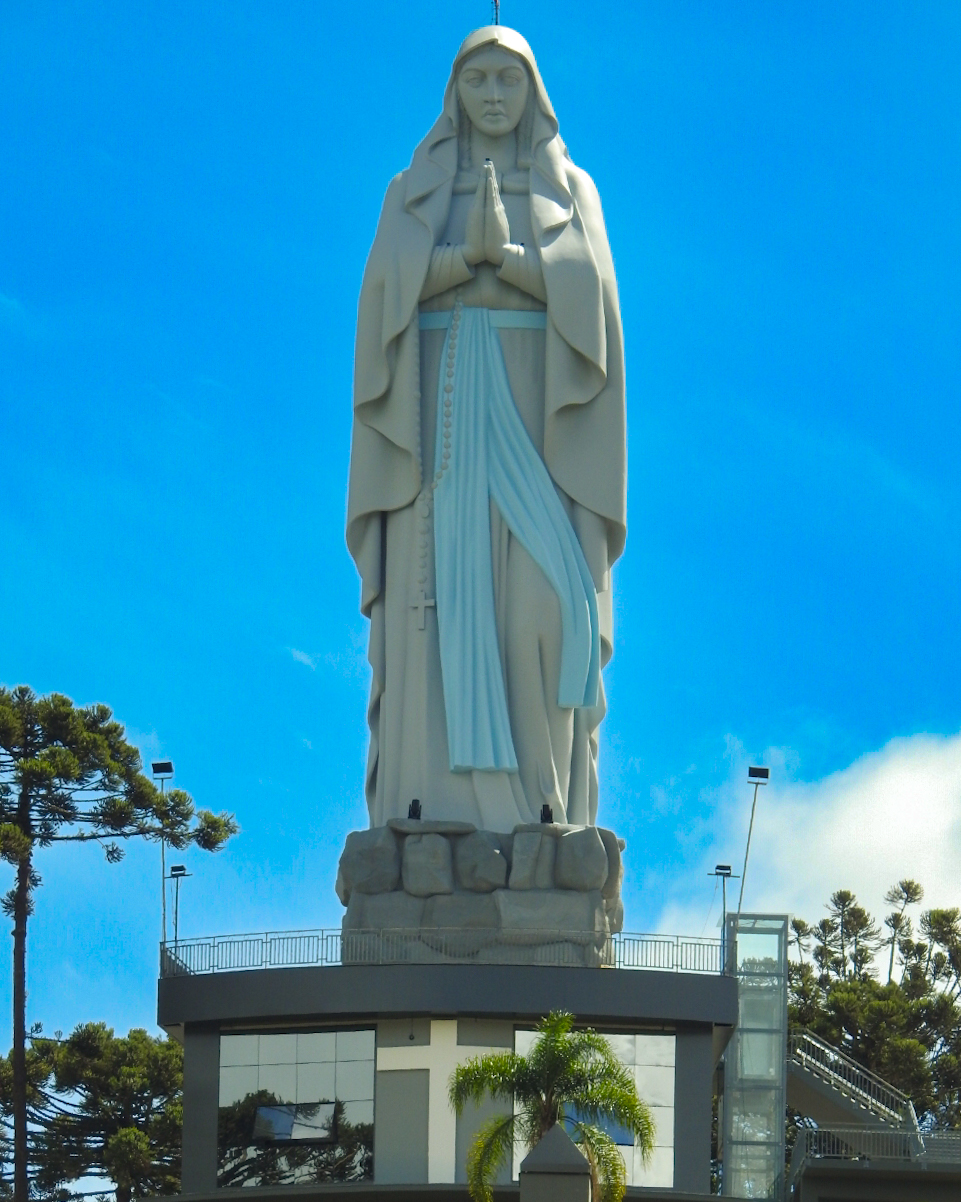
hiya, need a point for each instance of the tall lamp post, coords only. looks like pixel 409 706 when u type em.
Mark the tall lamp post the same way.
pixel 178 873
pixel 163 771
pixel 724 872
pixel 755 777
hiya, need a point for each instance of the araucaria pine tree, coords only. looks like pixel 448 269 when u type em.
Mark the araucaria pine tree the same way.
pixel 68 775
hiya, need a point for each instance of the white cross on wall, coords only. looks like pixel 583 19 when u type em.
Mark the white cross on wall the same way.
pixel 440 1058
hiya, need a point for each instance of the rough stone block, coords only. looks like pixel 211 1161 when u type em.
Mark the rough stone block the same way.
pixel 460 910
pixel 384 911
pixel 581 860
pixel 465 923
pixel 369 863
pixel 480 865
pixel 544 869
pixel 615 915
pixel 615 865
pixel 530 915
pixel 427 867
pixel 427 826
pixel 527 844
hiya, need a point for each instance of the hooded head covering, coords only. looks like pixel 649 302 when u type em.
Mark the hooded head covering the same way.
pixel 430 177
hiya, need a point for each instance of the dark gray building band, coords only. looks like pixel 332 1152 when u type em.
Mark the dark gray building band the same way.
pixel 693 1014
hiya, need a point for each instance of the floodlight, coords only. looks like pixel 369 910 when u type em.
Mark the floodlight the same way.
pixel 162 768
pixel 178 870
pixel 722 870
pixel 758 775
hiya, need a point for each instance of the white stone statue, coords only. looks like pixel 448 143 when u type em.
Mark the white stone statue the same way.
pixel 488 464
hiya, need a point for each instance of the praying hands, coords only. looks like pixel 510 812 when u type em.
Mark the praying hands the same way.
pixel 488 234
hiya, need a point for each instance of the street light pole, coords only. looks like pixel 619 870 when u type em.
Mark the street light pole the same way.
pixel 178 872
pixel 724 872
pixel 163 771
pixel 755 777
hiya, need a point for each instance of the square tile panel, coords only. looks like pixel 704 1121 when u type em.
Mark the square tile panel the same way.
pixel 663 1117
pixel 355 1045
pixel 655 1049
pixel 239 1049
pixel 355 1080
pixel 280 1080
pixel 316 1047
pixel 659 1171
pixel 315 1083
pixel 655 1084
pixel 236 1083
pixel 278 1049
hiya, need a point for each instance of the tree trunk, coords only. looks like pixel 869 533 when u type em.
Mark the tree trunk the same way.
pixel 21 905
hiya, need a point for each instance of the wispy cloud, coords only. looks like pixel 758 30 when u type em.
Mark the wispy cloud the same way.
pixel 349 662
pixel 893 813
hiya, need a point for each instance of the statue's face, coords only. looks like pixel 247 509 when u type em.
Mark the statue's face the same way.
pixel 493 85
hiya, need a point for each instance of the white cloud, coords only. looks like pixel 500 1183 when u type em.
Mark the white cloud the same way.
pixel 893 813
pixel 303 658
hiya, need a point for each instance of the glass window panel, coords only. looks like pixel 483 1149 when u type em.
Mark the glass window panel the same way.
pixel 315 1047
pixel 355 1045
pixel 663 1117
pixel 757 952
pixel 658 1172
pixel 315 1083
pixel 655 1084
pixel 279 1080
pixel 358 1112
pixel 627 1155
pixel 623 1046
pixel 758 1008
pixel 752 1170
pixel 760 1056
pixel 236 1083
pixel 620 1135
pixel 355 1080
pixel 314 1122
pixel 524 1041
pixel 654 1049
pixel 278 1049
pixel 756 1116
pixel 238 1049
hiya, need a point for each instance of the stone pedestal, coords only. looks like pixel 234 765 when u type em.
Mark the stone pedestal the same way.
pixel 428 892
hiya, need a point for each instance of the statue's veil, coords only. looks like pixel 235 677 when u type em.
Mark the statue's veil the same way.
pixel 435 160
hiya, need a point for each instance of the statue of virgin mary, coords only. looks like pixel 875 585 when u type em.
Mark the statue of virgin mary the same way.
pixel 488 461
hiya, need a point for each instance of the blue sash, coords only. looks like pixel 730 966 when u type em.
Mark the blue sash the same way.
pixel 483 451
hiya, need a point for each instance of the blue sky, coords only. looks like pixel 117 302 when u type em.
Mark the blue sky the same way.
pixel 189 195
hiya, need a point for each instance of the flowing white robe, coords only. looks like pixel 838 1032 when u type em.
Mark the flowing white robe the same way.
pixel 567 385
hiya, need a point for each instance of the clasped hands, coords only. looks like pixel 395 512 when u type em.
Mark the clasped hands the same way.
pixel 488 234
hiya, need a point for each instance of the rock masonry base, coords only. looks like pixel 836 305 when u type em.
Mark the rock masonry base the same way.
pixel 443 892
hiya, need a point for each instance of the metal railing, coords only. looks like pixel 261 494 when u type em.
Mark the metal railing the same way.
pixel 943 1147
pixel 867 1144
pixel 294 949
pixel 850 1078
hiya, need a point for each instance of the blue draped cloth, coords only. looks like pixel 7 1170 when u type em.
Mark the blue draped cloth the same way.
pixel 483 452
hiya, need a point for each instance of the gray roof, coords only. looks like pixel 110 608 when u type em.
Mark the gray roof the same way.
pixel 556 1153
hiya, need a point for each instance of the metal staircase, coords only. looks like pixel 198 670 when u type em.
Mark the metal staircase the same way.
pixel 830 1087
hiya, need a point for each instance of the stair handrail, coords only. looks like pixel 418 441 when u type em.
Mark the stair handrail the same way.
pixel 837 1066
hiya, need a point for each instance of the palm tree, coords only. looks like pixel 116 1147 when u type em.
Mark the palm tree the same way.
pixel 569 1076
